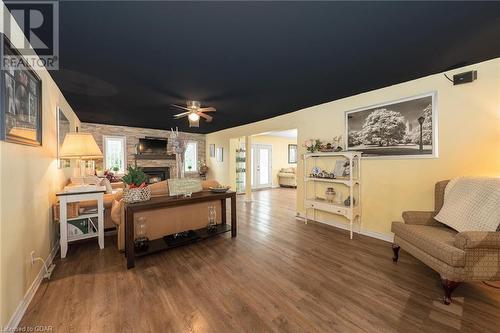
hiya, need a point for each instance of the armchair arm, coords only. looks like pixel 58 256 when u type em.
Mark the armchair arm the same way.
pixel 478 239
pixel 421 218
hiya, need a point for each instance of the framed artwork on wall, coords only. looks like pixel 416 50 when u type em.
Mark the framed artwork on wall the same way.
pixel 292 154
pixel 405 128
pixel 63 127
pixel 21 101
pixel 212 150
pixel 219 154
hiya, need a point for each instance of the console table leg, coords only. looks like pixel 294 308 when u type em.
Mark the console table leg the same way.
pixel 233 215
pixel 129 239
pixel 223 211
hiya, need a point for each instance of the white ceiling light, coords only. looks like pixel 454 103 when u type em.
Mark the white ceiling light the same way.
pixel 193 116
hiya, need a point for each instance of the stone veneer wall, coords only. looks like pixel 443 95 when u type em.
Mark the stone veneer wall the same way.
pixel 133 134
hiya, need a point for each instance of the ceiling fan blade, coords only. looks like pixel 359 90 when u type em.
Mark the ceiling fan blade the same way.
pixel 180 107
pixel 208 109
pixel 206 116
pixel 180 115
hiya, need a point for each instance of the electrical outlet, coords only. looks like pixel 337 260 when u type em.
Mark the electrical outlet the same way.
pixel 32 257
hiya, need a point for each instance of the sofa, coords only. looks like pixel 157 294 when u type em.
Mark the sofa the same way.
pixel 456 256
pixel 287 177
pixel 166 221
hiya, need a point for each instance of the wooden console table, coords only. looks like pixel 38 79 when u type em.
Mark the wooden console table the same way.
pixel 166 201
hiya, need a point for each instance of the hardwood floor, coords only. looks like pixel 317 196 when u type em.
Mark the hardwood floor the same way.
pixel 277 275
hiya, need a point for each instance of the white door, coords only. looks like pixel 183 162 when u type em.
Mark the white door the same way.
pixel 261 166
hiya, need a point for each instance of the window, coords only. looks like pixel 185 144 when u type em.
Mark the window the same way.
pixel 115 153
pixel 191 157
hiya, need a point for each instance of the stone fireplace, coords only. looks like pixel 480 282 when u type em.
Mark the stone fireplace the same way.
pixel 157 164
pixel 156 174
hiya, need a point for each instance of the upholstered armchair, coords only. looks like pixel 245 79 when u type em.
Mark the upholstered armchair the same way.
pixel 287 177
pixel 456 256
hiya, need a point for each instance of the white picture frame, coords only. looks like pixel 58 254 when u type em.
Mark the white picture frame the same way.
pixel 219 154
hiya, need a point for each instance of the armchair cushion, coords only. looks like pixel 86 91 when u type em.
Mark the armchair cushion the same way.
pixel 420 218
pixel 286 175
pixel 288 170
pixel 477 239
pixel 438 242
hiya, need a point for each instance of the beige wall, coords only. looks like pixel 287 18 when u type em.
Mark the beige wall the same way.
pixel 279 153
pixel 469 142
pixel 29 179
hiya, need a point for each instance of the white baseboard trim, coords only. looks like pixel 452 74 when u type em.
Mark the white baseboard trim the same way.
pixel 387 237
pixel 28 297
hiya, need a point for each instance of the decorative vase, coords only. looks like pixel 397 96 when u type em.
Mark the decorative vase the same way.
pixel 330 194
pixel 347 202
pixel 138 194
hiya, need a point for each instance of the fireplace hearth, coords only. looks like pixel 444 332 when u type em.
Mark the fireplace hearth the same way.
pixel 156 174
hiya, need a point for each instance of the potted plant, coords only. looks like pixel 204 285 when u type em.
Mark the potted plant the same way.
pixel 136 188
pixel 312 145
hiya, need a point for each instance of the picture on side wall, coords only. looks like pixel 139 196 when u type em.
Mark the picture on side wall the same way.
pixel 212 150
pixel 292 154
pixel 63 127
pixel 403 128
pixel 21 109
pixel 219 154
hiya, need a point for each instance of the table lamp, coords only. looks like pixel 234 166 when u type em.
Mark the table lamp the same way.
pixel 80 146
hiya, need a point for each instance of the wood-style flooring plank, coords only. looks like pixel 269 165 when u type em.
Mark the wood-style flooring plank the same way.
pixel 278 275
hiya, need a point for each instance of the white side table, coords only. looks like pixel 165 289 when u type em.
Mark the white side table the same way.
pixel 66 197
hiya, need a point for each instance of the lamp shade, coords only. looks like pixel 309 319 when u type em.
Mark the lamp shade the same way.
pixel 80 146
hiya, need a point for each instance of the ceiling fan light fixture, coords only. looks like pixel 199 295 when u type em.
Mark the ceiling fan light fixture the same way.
pixel 193 104
pixel 194 123
pixel 193 117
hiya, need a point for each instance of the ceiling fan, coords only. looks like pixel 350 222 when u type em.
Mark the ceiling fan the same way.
pixel 194 111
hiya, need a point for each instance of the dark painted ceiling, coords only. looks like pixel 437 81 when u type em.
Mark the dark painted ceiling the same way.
pixel 125 62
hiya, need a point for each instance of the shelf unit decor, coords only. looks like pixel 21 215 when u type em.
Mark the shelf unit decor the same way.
pixel 351 181
pixel 240 169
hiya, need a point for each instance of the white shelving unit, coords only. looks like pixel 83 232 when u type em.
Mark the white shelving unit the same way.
pixel 353 182
pixel 68 197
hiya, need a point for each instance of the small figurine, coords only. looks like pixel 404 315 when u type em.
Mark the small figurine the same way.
pixel 347 202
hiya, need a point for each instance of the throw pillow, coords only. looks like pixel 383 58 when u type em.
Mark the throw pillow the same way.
pixel 116 211
pixel 105 182
pixel 160 188
pixel 471 204
pixel 184 186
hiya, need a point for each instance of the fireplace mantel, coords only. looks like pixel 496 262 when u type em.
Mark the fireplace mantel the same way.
pixel 154 157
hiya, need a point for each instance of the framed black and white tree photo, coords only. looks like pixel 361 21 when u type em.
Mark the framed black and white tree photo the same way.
pixel 21 112
pixel 402 128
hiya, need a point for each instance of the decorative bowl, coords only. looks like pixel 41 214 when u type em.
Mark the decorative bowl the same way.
pixel 222 189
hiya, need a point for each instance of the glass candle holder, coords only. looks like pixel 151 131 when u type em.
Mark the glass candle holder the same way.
pixel 212 218
pixel 141 240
